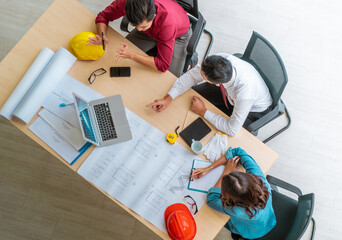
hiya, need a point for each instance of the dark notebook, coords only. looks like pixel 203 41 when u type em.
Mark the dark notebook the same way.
pixel 197 130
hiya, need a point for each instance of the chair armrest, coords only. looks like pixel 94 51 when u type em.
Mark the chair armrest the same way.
pixel 264 119
pixel 196 34
pixel 280 183
pixel 124 24
pixel 239 55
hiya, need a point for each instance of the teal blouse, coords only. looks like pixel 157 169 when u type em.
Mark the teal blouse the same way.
pixel 240 223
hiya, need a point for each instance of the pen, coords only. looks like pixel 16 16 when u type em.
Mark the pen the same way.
pixel 65 104
pixel 103 45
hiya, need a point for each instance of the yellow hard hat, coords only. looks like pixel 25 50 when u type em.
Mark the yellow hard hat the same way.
pixel 79 47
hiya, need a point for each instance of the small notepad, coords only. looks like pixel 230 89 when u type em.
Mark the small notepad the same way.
pixel 209 180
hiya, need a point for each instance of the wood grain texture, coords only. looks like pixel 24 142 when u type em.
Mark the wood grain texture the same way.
pixel 143 87
pixel 306 34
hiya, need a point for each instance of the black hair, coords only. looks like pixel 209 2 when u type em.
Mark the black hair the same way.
pixel 217 69
pixel 139 10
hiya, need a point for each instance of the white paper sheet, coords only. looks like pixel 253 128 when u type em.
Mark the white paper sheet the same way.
pixel 26 82
pixel 63 94
pixel 47 81
pixel 147 174
pixel 208 180
pixel 47 134
pixel 69 133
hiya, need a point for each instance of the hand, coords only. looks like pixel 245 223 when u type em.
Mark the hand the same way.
pixel 97 40
pixel 123 52
pixel 231 165
pixel 197 106
pixel 200 172
pixel 160 104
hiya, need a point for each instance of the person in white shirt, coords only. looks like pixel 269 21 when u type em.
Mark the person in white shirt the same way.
pixel 247 94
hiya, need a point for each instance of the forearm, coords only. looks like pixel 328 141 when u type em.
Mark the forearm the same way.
pixel 220 122
pixel 146 60
pixel 186 81
pixel 168 98
pixel 232 125
pixel 221 161
pixel 101 28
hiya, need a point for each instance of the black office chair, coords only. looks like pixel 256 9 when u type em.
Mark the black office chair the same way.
pixel 197 24
pixel 266 60
pixel 293 215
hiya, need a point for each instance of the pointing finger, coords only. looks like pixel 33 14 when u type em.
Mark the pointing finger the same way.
pixel 150 105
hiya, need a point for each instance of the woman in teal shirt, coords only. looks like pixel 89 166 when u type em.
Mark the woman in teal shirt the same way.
pixel 245 197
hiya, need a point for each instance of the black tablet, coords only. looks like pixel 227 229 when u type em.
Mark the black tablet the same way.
pixel 197 130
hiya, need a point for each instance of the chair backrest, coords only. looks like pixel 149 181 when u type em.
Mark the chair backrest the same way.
pixel 303 216
pixel 293 216
pixel 197 24
pixel 263 56
pixel 190 6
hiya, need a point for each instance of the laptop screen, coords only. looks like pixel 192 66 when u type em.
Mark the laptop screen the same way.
pixel 81 105
pixel 82 108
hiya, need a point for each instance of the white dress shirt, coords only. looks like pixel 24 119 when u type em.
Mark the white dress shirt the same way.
pixel 246 91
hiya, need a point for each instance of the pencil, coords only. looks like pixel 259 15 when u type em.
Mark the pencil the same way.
pixel 186 116
pixel 202 171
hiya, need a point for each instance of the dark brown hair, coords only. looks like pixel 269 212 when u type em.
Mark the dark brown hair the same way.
pixel 244 190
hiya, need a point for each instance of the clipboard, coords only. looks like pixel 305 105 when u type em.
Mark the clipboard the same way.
pixel 206 182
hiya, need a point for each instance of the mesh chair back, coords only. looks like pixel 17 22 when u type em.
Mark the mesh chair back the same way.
pixel 303 217
pixel 190 6
pixel 263 56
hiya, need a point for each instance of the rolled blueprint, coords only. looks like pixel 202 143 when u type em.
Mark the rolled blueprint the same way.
pixel 26 82
pixel 53 73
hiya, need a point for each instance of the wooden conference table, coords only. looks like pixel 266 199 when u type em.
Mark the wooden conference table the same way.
pixel 55 28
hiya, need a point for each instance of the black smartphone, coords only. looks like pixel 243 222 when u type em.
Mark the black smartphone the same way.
pixel 120 71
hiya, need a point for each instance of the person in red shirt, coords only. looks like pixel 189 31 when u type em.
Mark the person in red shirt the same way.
pixel 158 23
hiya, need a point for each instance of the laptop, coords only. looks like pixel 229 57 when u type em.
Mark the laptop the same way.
pixel 103 121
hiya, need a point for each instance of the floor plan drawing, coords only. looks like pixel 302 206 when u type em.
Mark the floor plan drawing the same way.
pixel 147 174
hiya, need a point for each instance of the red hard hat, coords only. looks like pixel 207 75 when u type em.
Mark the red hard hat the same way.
pixel 180 224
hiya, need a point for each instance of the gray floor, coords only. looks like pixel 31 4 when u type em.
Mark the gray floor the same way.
pixel 38 203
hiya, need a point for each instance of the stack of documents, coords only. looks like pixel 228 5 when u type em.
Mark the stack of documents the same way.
pixel 62 130
pixel 47 84
pixel 42 77
pixel 50 136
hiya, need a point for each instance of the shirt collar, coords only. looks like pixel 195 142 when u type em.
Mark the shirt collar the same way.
pixel 232 80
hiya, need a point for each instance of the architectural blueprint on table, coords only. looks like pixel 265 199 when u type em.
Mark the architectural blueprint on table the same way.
pixel 146 174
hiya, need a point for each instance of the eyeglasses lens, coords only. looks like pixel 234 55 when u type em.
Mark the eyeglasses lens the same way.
pixel 99 72
pixel 189 200
pixel 96 73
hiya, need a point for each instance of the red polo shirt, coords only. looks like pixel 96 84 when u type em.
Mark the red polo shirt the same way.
pixel 171 22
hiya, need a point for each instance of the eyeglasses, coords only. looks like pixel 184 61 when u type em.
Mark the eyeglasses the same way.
pixel 190 201
pixel 93 75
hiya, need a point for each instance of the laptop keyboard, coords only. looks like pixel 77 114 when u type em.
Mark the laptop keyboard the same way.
pixel 86 124
pixel 105 121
